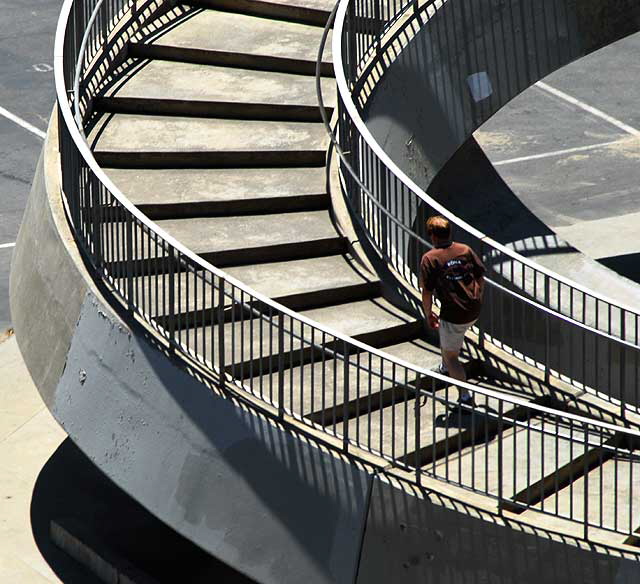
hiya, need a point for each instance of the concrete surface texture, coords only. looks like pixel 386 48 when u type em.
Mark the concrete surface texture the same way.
pixel 26 92
pixel 28 437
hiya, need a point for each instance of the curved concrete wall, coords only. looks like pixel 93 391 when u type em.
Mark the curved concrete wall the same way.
pixel 260 496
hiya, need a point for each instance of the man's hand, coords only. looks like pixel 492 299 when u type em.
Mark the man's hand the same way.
pixel 433 320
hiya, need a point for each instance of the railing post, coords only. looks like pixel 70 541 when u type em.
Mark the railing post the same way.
pixel 547 333
pixel 172 296
pixel 345 398
pixel 220 319
pixel 480 325
pixel 586 484
pixel 623 363
pixel 416 409
pixel 281 365
pixel 500 453
pixel 129 262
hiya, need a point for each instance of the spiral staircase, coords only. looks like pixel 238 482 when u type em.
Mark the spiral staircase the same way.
pixel 208 123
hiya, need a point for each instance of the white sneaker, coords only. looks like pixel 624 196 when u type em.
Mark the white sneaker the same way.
pixel 440 368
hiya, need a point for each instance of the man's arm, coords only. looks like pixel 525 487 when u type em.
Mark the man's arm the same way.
pixel 427 304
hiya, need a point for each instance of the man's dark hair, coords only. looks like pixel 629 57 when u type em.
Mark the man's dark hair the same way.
pixel 439 226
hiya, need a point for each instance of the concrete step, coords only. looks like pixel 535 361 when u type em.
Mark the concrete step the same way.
pixel 252 342
pixel 230 39
pixel 229 241
pixel 182 193
pixel 611 494
pixel 251 239
pixel 228 59
pixel 205 84
pixel 133 141
pixel 562 477
pixel 392 430
pixel 318 390
pixel 309 283
pixel 531 449
pixel 313 12
pixel 209 109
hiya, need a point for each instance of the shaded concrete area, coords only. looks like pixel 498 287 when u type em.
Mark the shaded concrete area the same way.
pixel 71 489
pixel 28 437
pixel 588 197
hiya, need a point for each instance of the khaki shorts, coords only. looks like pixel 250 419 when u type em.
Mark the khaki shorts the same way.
pixel 452 335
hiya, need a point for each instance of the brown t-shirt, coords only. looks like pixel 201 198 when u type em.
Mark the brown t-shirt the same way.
pixel 455 274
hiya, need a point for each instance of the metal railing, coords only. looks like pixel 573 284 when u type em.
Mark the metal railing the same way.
pixel 301 369
pixel 558 325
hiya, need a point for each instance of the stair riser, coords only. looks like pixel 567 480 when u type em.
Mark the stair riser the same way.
pixel 209 109
pixel 235 207
pixel 236 257
pixel 212 159
pixel 229 59
pixel 271 10
pixel 303 301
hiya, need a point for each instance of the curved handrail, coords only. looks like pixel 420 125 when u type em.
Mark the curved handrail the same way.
pixel 362 128
pixel 576 373
pixel 111 230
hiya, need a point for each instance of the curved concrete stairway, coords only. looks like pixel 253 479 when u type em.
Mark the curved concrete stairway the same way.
pixel 215 134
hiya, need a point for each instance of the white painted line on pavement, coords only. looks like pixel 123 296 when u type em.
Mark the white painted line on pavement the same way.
pixel 555 153
pixel 26 125
pixel 586 107
pixel 7 245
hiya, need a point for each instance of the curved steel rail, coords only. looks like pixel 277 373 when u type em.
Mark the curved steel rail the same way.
pixel 251 342
pixel 582 337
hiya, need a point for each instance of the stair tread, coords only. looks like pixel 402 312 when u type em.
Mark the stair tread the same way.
pixel 520 470
pixel 223 233
pixel 302 276
pixel 418 352
pixel 351 319
pixel 620 480
pixel 390 425
pixel 306 276
pixel 126 133
pixel 357 318
pixel 144 186
pixel 227 31
pixel 193 82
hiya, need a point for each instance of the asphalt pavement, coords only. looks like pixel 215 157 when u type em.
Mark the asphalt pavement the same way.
pixel 27 30
pixel 569 149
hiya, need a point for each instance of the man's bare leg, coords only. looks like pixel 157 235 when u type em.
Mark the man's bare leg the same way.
pixel 456 370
